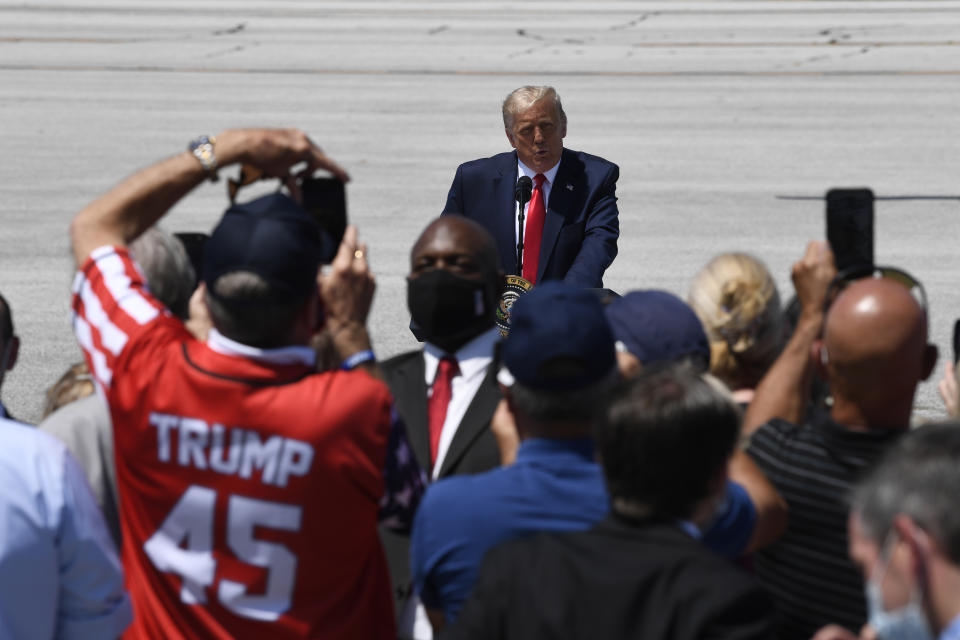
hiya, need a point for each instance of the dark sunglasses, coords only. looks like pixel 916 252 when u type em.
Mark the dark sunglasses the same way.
pixel 859 272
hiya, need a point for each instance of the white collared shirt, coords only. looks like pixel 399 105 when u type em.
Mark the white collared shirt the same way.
pixel 473 359
pixel 524 170
pixel 294 354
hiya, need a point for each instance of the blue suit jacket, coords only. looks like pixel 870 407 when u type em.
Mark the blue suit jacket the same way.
pixel 582 224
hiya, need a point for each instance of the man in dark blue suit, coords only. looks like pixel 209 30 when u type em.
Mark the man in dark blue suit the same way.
pixel 577 233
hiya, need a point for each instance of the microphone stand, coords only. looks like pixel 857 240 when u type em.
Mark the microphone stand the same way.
pixel 523 194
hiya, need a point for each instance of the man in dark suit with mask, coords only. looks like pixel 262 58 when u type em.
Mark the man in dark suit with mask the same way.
pixel 447 392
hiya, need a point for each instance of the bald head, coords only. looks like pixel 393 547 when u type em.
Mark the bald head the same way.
pixel 455 282
pixel 875 350
pixel 459 245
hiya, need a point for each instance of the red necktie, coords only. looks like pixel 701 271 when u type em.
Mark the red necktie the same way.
pixel 533 231
pixel 439 401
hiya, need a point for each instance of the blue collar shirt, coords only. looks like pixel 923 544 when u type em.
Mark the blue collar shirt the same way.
pixel 554 485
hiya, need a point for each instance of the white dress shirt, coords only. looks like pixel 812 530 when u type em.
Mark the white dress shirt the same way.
pixel 61 575
pixel 524 170
pixel 473 359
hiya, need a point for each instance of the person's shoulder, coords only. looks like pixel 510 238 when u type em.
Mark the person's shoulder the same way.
pixel 84 413
pixel 18 436
pixel 777 430
pixel 588 159
pixel 504 159
pixel 400 360
pixel 29 450
pixel 475 492
pixel 356 383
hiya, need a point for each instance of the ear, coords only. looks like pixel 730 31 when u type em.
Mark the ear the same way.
pixel 505 392
pixel 563 129
pixel 930 355
pixel 820 358
pixel 14 352
pixel 917 541
pixel 513 143
pixel 316 317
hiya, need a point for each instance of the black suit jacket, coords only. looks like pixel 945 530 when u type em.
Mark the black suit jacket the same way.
pixel 582 225
pixel 646 581
pixel 472 450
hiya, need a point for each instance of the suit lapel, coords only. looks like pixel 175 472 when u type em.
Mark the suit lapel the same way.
pixel 475 420
pixel 411 402
pixel 506 229
pixel 558 205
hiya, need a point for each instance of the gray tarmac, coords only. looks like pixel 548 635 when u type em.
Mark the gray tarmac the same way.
pixel 711 109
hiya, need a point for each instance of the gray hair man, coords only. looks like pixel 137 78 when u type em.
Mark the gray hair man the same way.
pixel 905 536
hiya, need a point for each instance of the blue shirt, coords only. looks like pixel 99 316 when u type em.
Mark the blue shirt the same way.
pixel 59 572
pixel 554 485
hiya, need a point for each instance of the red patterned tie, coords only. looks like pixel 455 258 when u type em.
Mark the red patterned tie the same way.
pixel 440 400
pixel 533 231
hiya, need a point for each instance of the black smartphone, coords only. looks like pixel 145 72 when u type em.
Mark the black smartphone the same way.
pixel 850 226
pixel 326 200
pixel 194 242
pixel 956 341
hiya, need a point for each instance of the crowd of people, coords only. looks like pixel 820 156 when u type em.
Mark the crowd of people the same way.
pixel 231 460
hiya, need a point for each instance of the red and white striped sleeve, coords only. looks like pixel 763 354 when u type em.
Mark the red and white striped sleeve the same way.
pixel 111 306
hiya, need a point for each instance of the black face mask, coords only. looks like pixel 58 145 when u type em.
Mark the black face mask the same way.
pixel 449 310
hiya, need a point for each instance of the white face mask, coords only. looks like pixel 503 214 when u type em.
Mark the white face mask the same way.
pixel 906 623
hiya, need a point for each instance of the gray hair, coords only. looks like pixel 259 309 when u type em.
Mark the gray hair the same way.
pixel 243 307
pixel 577 405
pixel 523 98
pixel 918 477
pixel 166 266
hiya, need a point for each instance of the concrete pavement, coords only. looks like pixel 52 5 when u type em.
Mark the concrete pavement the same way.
pixel 711 109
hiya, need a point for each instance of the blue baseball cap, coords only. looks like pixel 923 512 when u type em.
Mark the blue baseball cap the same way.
pixel 657 327
pixel 559 339
pixel 271 236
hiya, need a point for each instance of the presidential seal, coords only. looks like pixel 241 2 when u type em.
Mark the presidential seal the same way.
pixel 516 287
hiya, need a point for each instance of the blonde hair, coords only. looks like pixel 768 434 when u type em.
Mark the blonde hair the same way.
pixel 73 385
pixel 523 98
pixel 736 299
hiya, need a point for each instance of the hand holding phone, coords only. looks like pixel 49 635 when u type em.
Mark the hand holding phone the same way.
pixel 850 227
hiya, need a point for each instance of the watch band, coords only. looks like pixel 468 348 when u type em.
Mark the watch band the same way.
pixel 202 150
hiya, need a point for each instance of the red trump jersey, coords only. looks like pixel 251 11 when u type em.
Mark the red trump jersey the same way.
pixel 250 486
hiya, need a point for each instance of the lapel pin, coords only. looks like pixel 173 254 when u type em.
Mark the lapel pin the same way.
pixel 569 187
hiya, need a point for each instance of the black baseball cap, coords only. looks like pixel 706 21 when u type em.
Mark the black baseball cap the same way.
pixel 273 237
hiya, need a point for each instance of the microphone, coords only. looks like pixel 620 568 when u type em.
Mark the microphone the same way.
pixel 522 193
pixel 523 190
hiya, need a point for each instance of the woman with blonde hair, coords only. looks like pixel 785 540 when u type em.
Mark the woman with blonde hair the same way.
pixel 736 299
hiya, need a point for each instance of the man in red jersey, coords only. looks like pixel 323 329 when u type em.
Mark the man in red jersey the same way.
pixel 250 485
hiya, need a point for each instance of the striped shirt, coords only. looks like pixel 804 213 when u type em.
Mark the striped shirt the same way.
pixel 808 571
